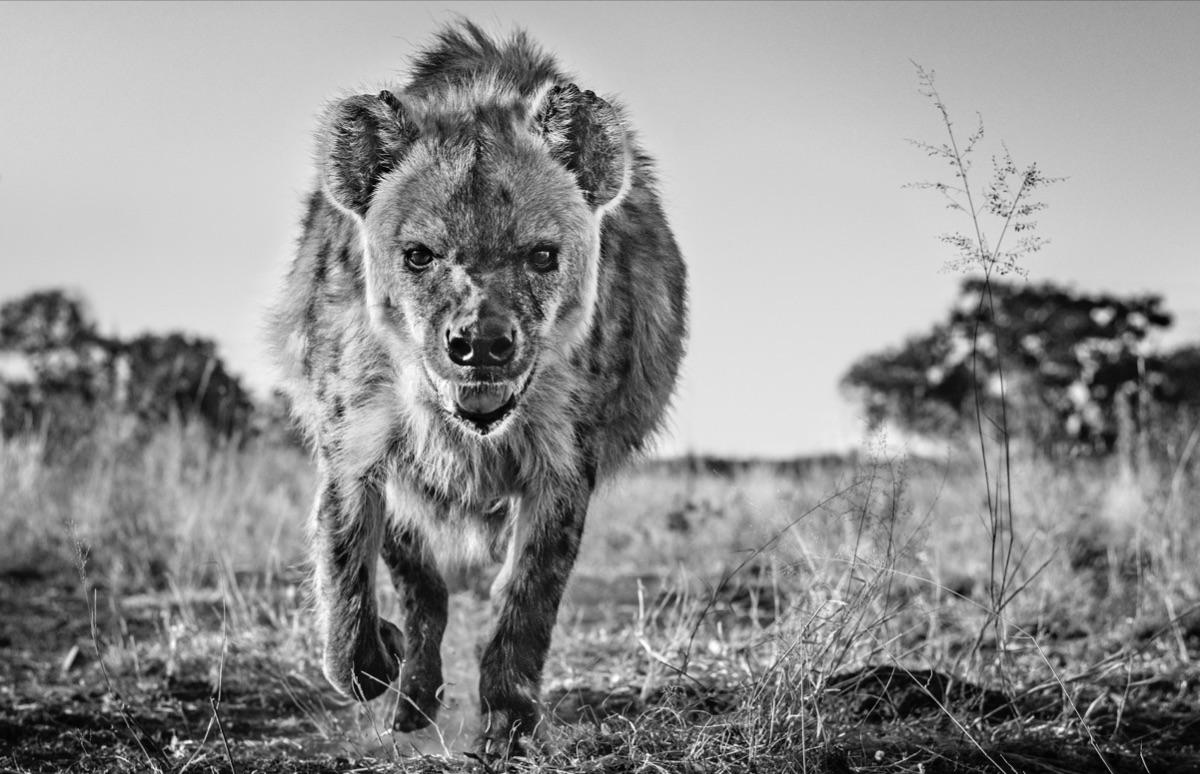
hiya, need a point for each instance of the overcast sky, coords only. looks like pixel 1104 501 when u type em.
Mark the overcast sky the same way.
pixel 154 156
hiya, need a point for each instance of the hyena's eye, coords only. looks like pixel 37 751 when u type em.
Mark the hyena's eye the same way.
pixel 418 258
pixel 543 258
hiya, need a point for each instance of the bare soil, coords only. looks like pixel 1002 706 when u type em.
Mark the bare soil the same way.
pixel 156 701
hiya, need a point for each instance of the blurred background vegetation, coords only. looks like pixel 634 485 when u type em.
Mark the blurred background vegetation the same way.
pixel 1082 375
pixel 771 597
pixel 1081 372
pixel 60 379
pixel 151 454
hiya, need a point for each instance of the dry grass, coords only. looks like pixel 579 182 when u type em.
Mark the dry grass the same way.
pixel 830 616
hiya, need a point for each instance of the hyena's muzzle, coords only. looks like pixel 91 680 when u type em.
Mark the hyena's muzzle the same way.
pixel 482 368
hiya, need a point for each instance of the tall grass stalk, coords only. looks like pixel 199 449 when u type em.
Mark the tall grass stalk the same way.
pixel 1007 203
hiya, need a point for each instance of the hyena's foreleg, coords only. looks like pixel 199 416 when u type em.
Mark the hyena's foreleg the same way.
pixel 424 597
pixel 362 651
pixel 526 596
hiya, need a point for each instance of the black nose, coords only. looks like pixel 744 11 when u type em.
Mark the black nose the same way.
pixel 482 345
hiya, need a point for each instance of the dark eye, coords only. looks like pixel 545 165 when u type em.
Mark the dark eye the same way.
pixel 418 258
pixel 543 258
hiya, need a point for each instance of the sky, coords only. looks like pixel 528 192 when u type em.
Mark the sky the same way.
pixel 154 156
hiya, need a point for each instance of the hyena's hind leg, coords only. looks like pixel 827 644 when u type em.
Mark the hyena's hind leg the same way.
pixel 362 651
pixel 423 595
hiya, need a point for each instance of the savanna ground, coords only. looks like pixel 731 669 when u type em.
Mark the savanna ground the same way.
pixel 829 615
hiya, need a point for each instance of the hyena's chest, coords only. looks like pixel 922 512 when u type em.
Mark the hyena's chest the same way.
pixel 462 504
pixel 455 533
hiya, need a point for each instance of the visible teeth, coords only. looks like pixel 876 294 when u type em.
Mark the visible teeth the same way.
pixel 481 398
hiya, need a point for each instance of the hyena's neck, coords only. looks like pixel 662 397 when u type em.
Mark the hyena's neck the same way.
pixel 434 455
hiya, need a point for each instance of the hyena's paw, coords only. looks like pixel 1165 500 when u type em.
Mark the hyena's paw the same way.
pixel 506 733
pixel 372 667
pixel 420 683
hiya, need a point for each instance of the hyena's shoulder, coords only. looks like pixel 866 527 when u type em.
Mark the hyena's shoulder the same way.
pixel 318 328
pixel 639 331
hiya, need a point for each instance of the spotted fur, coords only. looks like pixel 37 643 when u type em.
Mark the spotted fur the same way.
pixel 485 163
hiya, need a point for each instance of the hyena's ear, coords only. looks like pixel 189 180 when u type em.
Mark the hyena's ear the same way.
pixel 586 135
pixel 363 139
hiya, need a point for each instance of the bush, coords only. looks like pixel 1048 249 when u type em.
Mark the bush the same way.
pixel 1077 368
pixel 58 376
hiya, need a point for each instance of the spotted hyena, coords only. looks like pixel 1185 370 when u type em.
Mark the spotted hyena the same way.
pixel 485 318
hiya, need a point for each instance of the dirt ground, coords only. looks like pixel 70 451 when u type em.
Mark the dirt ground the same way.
pixel 163 699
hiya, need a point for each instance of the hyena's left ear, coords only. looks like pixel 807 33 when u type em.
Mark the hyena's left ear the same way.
pixel 586 135
pixel 363 138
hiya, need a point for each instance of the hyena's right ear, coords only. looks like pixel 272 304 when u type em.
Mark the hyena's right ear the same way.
pixel 363 138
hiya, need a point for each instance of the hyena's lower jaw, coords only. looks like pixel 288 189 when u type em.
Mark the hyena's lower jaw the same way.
pixel 483 407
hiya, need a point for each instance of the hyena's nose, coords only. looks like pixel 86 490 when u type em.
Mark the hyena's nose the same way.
pixel 487 343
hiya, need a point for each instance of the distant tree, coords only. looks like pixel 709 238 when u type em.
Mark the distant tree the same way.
pixel 1180 378
pixel 55 371
pixel 179 376
pixel 1074 364
pixel 59 376
pixel 45 320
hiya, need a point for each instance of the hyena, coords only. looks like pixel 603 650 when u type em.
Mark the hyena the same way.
pixel 485 318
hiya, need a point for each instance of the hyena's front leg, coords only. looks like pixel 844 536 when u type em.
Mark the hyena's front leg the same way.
pixel 424 596
pixel 362 651
pixel 526 595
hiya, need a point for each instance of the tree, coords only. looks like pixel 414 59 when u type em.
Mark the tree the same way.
pixel 1074 364
pixel 58 375
pixel 46 320
pixel 180 376
pixel 57 371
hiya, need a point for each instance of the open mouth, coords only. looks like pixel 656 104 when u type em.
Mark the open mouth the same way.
pixel 481 407
pixel 484 405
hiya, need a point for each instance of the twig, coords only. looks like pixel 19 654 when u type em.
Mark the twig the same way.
pixel 215 700
pixel 154 756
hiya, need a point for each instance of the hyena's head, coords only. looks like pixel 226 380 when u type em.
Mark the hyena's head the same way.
pixel 481 221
